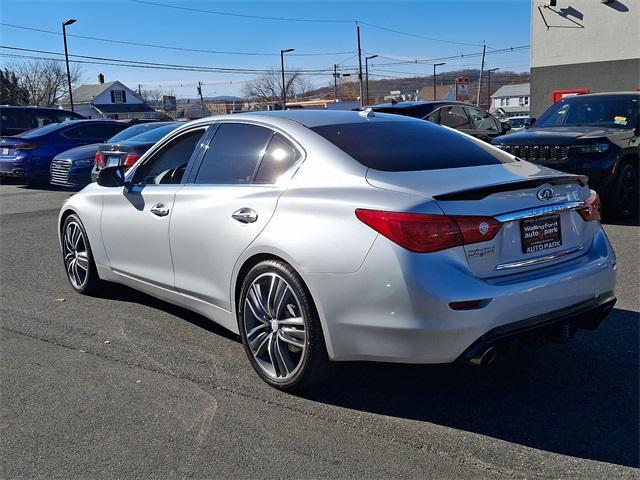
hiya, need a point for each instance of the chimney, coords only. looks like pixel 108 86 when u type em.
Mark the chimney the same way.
pixel 100 78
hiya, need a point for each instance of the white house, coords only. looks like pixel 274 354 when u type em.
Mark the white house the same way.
pixel 511 100
pixel 109 100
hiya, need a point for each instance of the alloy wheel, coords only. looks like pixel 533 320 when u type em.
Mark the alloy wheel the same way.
pixel 275 326
pixel 76 256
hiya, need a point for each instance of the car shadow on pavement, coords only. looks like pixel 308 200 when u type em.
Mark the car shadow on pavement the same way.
pixel 122 293
pixel 579 399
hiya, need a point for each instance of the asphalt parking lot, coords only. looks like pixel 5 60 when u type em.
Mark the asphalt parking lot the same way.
pixel 123 385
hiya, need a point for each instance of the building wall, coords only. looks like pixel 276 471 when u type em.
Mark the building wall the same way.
pixel 589 44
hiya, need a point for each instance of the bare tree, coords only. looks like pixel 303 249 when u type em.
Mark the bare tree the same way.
pixel 153 96
pixel 45 80
pixel 268 87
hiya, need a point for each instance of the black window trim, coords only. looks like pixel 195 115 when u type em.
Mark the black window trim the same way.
pixel 196 166
pixel 130 174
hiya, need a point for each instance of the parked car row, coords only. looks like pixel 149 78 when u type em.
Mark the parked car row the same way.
pixel 596 135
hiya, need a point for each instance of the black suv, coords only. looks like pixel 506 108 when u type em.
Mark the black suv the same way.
pixel 462 116
pixel 597 135
pixel 16 120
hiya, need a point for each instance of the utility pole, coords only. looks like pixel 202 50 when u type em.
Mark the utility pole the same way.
pixel 71 21
pixel 139 90
pixel 366 72
pixel 434 78
pixel 284 86
pixel 201 98
pixel 359 62
pixel 489 83
pixel 335 82
pixel 484 49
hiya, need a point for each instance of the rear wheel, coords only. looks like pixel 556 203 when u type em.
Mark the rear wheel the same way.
pixel 280 329
pixel 78 260
pixel 625 193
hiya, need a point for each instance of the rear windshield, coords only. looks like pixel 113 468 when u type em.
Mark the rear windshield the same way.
pixel 155 134
pixel 408 146
pixel 133 131
pixel 36 132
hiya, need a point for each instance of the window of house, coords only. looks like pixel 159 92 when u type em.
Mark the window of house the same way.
pixel 118 96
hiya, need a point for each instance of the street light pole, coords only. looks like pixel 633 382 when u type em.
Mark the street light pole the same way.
pixel 366 73
pixel 489 83
pixel 284 87
pixel 434 77
pixel 71 21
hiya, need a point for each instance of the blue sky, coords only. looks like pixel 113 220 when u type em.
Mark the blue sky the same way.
pixel 461 25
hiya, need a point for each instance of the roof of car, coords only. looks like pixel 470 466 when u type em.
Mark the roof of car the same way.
pixel 603 94
pixel 317 118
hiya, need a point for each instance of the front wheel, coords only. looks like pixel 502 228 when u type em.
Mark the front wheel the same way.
pixel 280 329
pixel 78 260
pixel 625 194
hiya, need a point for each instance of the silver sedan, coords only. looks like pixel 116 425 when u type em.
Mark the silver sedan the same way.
pixel 323 236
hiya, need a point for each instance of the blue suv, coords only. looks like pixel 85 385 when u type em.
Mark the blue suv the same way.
pixel 29 155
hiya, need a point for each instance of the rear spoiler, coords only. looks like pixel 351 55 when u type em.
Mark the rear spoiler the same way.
pixel 482 192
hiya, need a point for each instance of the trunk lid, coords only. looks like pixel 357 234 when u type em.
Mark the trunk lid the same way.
pixel 534 231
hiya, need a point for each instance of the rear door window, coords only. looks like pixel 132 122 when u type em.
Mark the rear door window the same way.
pixel 234 154
pixel 411 145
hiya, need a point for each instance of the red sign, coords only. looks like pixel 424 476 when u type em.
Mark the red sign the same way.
pixel 560 94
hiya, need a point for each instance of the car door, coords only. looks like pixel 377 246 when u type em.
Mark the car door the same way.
pixel 484 125
pixel 231 199
pixel 455 116
pixel 135 218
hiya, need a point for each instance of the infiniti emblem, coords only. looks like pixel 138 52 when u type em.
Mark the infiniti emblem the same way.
pixel 545 193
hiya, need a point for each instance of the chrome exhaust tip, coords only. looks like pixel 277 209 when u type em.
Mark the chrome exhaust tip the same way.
pixel 485 357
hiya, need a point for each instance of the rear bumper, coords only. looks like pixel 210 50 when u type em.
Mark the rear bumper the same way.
pixel 586 315
pixel 396 308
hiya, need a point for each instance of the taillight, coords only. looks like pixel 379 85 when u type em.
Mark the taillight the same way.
pixel 131 159
pixel 99 160
pixel 24 146
pixel 425 233
pixel 591 209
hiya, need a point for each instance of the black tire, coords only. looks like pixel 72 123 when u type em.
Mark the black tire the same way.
pixel 314 365
pixel 624 197
pixel 91 282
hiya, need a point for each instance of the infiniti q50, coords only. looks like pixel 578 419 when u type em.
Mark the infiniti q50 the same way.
pixel 322 237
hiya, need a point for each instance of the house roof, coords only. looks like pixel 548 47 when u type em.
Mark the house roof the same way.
pixel 443 92
pixel 517 90
pixel 85 93
pixel 124 107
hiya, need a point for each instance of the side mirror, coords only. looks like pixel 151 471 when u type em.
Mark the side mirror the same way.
pixel 529 122
pixel 111 177
pixel 506 126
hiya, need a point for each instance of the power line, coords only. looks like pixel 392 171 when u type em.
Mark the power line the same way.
pixel 230 14
pixel 306 20
pixel 415 35
pixel 167 47
pixel 119 63
pixel 430 61
pixel 178 66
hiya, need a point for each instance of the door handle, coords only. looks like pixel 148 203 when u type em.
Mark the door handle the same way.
pixel 245 215
pixel 160 210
